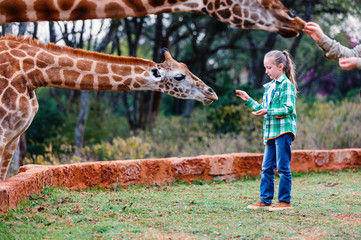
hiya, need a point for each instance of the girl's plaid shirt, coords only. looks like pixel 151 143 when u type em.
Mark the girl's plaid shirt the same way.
pixel 281 115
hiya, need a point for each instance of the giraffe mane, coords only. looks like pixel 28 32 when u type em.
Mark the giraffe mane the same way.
pixel 80 52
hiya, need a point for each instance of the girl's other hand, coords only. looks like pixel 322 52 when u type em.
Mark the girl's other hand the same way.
pixel 347 63
pixel 243 95
pixel 260 112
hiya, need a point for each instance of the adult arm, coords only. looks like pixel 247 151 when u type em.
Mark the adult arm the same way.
pixel 348 58
pixel 333 50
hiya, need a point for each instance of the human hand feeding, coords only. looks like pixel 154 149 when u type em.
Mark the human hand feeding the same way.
pixel 348 63
pixel 314 30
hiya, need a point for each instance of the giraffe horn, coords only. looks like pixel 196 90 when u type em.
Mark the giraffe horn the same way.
pixel 166 54
pixel 164 50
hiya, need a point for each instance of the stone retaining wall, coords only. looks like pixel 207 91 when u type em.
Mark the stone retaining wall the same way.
pixel 33 178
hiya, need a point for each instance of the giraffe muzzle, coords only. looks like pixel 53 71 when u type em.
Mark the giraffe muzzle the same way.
pixel 211 98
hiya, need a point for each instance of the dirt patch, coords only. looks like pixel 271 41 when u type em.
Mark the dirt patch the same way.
pixel 347 218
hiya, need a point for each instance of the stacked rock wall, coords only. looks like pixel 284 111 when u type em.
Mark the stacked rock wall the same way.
pixel 228 167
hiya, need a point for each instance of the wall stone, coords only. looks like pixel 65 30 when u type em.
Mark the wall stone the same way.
pixel 228 167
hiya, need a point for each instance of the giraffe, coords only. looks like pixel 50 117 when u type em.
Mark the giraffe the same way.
pixel 267 15
pixel 27 64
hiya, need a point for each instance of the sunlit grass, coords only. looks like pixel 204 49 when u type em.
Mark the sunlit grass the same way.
pixel 326 206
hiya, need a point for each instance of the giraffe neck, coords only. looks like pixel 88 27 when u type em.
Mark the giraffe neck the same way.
pixel 268 15
pixel 65 10
pixel 49 65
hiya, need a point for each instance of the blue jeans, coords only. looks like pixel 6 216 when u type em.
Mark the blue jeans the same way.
pixel 277 154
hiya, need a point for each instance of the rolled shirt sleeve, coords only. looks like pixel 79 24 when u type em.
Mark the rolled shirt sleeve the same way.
pixel 254 105
pixel 333 50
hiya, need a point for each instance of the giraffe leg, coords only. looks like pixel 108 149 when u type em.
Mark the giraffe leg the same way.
pixel 6 157
pixel 12 126
pixel 7 151
pixel 2 147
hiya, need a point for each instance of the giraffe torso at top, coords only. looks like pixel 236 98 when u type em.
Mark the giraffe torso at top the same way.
pixel 268 15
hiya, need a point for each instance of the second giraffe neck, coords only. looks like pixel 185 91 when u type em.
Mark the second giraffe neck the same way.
pixel 65 10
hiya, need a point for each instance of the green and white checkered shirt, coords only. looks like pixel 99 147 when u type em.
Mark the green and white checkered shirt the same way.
pixel 281 115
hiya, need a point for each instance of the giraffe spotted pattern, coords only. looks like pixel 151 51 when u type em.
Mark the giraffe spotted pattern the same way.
pixel 26 65
pixel 267 15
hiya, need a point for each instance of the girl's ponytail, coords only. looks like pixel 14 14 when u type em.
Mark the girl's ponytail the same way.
pixel 290 69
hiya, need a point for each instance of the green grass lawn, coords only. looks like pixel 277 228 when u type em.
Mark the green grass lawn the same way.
pixel 326 206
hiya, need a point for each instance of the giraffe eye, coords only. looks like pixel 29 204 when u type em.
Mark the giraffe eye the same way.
pixel 291 14
pixel 179 77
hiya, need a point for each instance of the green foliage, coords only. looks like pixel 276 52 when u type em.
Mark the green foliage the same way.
pixel 329 125
pixel 228 95
pixel 225 129
pixel 54 154
pixel 118 148
pixel 105 127
pixel 233 118
pixel 175 136
pixel 48 122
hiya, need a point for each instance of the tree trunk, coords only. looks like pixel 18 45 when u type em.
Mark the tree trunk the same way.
pixel 307 18
pixel 22 28
pixel 20 153
pixel 7 29
pixel 134 113
pixel 150 101
pixel 84 99
pixel 256 75
pixel 156 97
pixel 35 32
pixel 80 125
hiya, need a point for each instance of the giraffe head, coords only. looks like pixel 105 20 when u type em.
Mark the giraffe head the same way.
pixel 267 15
pixel 175 79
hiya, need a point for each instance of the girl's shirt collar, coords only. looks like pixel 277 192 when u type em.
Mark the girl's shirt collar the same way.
pixel 280 79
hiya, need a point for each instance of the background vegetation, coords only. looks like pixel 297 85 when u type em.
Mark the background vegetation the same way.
pixel 124 125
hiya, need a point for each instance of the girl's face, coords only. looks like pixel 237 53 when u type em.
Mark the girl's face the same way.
pixel 272 70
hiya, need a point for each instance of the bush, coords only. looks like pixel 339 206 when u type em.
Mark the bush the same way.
pixel 328 125
pixel 226 129
pixel 118 148
pixel 233 118
pixel 48 123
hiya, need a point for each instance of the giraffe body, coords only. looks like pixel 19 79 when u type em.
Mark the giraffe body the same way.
pixel 267 15
pixel 26 65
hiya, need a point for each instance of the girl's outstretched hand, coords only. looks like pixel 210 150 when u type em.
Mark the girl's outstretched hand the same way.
pixel 243 95
pixel 260 112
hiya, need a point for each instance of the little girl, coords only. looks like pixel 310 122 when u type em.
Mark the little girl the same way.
pixel 279 128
